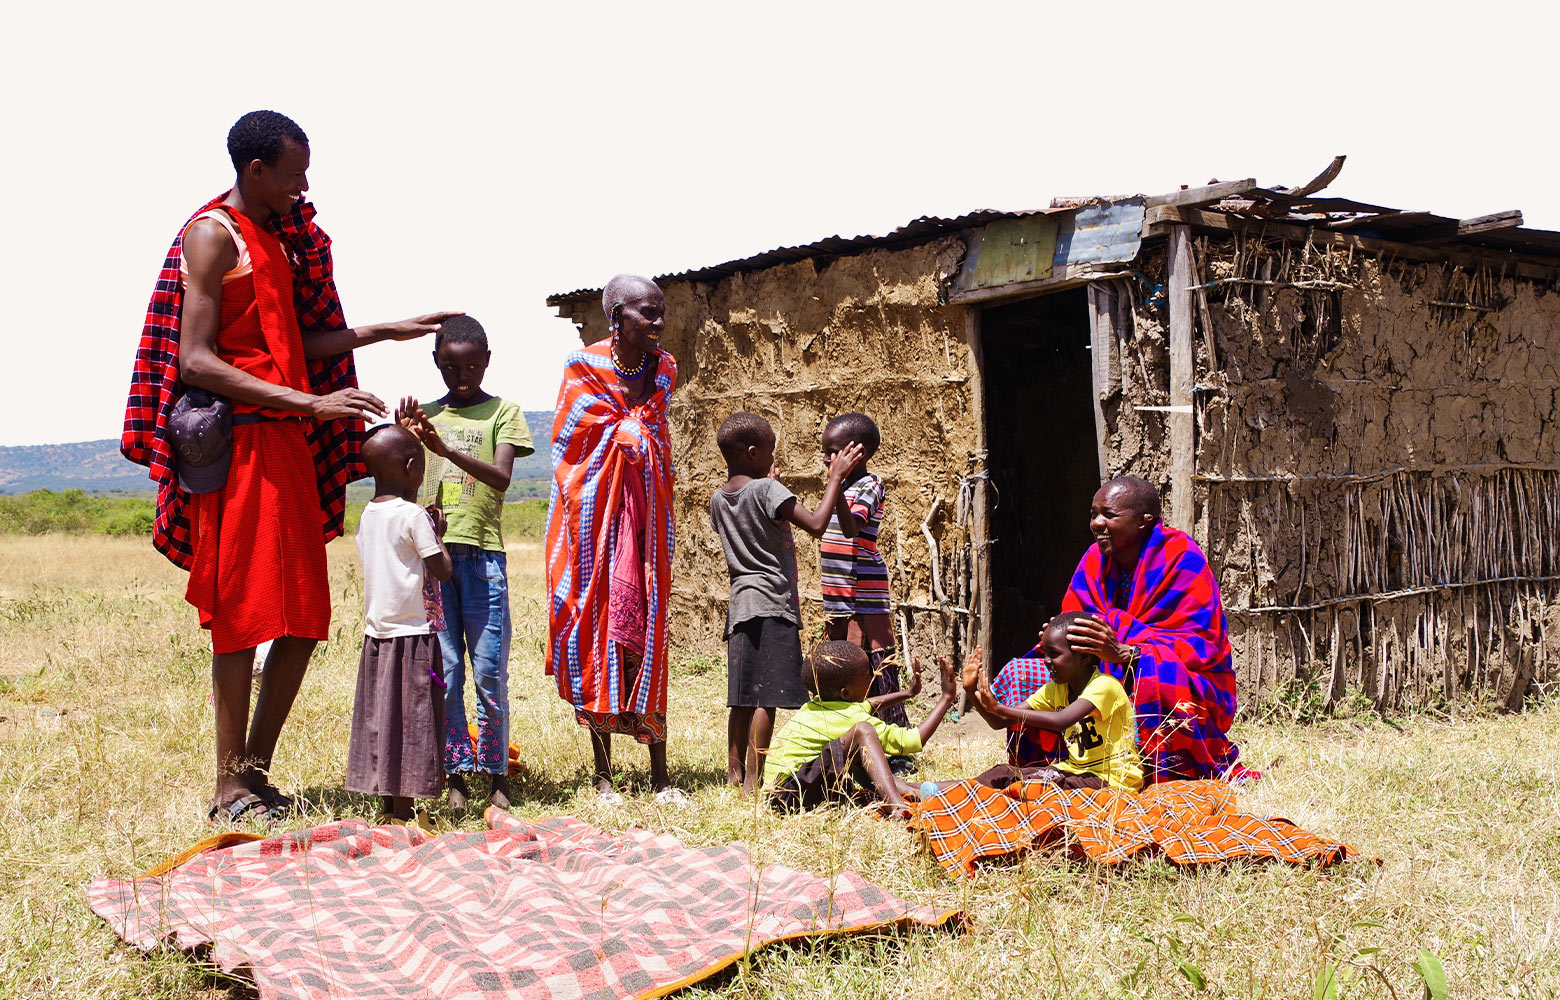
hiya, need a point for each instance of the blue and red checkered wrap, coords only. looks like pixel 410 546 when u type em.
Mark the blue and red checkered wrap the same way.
pixel 1021 677
pixel 155 385
pixel 1184 686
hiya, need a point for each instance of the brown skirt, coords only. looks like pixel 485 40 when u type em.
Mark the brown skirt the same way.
pixel 397 743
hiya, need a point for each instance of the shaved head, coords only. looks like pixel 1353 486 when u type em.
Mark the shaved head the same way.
pixel 832 668
pixel 388 447
pixel 1056 628
pixel 625 288
pixel 1136 495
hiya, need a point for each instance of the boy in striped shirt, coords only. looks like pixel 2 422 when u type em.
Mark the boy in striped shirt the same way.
pixel 855 580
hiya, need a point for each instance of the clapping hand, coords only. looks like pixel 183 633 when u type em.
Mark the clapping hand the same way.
pixel 947 676
pixel 974 670
pixel 409 414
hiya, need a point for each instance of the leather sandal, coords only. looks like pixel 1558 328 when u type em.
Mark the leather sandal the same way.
pixel 241 809
pixel 277 803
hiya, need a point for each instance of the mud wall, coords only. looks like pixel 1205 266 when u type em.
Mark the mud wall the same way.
pixel 798 344
pixel 1378 471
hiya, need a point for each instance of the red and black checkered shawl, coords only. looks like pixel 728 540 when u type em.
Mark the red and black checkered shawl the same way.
pixel 155 385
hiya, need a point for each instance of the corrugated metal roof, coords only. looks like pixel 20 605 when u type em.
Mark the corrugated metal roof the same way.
pixel 1095 230
pixel 916 231
pixel 1104 233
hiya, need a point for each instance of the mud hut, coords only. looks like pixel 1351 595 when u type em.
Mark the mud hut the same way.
pixel 1351 407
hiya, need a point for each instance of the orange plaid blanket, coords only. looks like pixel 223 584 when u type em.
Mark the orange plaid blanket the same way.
pixel 1189 822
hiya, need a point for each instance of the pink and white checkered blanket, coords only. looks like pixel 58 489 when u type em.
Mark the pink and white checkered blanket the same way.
pixel 552 909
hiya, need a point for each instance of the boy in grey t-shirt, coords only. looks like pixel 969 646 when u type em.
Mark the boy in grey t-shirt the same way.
pixel 753 514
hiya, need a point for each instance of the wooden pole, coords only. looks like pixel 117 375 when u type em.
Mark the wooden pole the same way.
pixel 1182 378
pixel 980 607
pixel 1106 367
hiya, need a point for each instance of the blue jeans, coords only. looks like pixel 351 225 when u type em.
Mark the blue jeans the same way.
pixel 476 620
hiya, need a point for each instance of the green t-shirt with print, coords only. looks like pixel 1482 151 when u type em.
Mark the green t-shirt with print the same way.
pixel 473 508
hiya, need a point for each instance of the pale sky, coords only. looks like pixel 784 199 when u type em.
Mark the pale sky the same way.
pixel 479 157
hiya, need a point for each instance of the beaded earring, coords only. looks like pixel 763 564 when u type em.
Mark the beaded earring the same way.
pixel 625 373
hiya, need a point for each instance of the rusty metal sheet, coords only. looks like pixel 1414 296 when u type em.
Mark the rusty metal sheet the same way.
pixel 916 231
pixel 1010 250
pixel 1106 233
pixel 1087 231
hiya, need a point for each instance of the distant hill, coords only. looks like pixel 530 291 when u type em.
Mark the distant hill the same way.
pixel 97 466
pixel 94 466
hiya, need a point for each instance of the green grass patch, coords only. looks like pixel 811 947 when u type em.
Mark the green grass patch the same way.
pixel 106 768
pixel 75 512
pixel 524 520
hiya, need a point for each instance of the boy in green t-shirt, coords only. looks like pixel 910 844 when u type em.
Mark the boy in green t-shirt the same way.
pixel 474 439
pixel 836 748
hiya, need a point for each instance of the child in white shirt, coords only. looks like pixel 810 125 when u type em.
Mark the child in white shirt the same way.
pixel 398 712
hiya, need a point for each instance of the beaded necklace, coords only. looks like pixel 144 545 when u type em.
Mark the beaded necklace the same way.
pixel 625 373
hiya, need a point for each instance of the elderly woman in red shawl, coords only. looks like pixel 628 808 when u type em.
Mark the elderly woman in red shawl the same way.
pixel 1158 625
pixel 610 533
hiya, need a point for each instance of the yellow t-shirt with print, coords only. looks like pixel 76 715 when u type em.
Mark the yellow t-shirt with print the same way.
pixel 473 508
pixel 1104 742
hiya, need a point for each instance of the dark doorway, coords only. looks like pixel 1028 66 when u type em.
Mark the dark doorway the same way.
pixel 1042 456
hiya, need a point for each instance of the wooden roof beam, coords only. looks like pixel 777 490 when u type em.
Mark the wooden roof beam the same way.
pixel 1469 227
pixel 1061 278
pixel 1158 222
pixel 1190 197
pixel 1321 180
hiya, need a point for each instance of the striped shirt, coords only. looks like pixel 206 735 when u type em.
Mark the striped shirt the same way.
pixel 855 581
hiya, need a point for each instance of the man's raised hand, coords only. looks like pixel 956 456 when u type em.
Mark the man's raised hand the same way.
pixel 1093 636
pixel 417 326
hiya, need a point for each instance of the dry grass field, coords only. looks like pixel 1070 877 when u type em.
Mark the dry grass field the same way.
pixel 105 761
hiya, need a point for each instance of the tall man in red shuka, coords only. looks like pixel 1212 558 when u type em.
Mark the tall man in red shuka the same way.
pixel 246 309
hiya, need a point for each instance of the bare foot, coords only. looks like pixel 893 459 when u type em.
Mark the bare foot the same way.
pixel 893 810
pixel 499 794
pixel 459 792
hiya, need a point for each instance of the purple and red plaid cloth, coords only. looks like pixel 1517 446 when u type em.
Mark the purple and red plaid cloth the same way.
pixel 155 386
pixel 1183 689
pixel 554 909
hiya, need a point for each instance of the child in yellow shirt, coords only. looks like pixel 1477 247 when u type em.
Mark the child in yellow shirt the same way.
pixel 1090 709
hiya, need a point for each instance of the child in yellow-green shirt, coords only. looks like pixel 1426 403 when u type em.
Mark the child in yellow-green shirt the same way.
pixel 1090 709
pixel 473 439
pixel 836 748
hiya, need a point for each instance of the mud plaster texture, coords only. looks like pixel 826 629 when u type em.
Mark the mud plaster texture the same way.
pixel 1377 464
pixel 798 344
